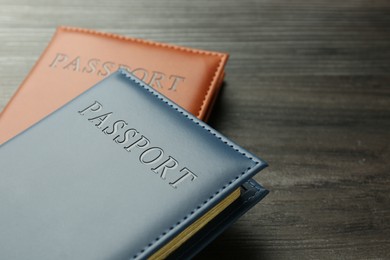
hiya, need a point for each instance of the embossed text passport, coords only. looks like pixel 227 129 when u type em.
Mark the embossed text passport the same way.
pixel 77 58
pixel 120 172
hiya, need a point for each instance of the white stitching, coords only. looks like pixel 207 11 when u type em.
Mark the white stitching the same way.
pixel 162 45
pixel 161 98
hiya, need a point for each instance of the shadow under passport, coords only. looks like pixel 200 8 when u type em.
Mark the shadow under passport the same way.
pixel 216 115
pixel 234 243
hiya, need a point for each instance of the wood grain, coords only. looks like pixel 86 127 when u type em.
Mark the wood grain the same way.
pixel 307 89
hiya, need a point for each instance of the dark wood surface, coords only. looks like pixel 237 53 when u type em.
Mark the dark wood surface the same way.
pixel 307 88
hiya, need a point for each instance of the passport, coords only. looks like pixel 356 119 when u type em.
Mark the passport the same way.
pixel 77 58
pixel 120 172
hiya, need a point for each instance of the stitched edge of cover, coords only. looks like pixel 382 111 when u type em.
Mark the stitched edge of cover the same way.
pixel 211 131
pixel 222 57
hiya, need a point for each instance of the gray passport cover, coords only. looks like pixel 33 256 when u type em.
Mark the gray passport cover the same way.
pixel 114 174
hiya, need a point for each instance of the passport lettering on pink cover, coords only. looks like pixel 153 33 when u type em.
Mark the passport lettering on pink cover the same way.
pixel 77 58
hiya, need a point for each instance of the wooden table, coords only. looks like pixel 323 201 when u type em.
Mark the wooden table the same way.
pixel 307 89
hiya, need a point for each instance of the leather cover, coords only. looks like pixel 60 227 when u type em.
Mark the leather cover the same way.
pixel 77 58
pixel 114 174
